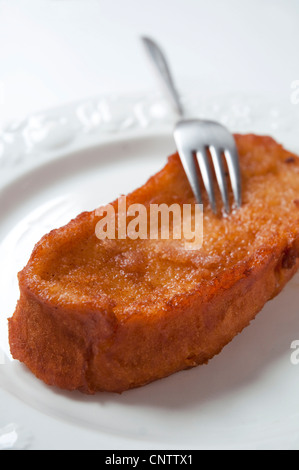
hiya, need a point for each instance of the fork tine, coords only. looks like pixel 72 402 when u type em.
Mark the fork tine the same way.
pixel 220 175
pixel 207 177
pixel 191 170
pixel 234 173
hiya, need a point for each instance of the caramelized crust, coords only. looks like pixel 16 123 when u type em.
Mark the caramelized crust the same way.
pixel 111 315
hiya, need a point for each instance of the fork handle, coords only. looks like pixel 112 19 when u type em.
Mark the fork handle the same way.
pixel 161 66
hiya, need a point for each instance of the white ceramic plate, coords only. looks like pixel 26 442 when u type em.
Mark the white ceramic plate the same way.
pixel 246 397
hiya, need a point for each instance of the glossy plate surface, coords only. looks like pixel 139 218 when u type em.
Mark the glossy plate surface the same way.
pixel 246 397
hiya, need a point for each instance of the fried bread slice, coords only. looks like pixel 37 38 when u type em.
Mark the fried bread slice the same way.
pixel 110 315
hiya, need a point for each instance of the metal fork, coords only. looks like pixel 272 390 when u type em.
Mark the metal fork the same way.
pixel 196 139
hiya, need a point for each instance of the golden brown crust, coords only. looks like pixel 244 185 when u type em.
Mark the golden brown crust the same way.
pixel 113 315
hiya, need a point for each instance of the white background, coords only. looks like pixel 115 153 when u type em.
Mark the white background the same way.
pixel 56 51
pixel 53 52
